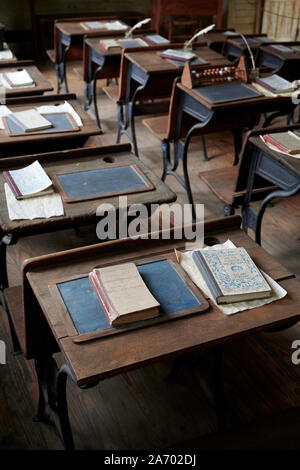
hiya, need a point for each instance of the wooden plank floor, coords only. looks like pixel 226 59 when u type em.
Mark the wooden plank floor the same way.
pixel 142 410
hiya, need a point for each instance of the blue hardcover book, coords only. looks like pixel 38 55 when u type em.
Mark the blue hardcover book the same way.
pixel 231 275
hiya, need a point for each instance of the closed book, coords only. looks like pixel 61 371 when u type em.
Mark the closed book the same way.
pixel 130 43
pixel 88 25
pixel 280 48
pixel 28 182
pixel 18 79
pixel 30 120
pixel 180 55
pixel 153 39
pixel 286 142
pixel 109 44
pixel 231 275
pixel 123 294
pixel 275 84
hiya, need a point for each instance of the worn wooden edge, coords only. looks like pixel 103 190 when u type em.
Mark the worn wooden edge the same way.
pixel 58 184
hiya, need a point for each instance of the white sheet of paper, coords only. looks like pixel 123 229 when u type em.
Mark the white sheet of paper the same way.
pixel 187 263
pixel 33 208
pixel 6 54
pixel 115 25
pixel 61 108
pixel 4 111
pixel 31 179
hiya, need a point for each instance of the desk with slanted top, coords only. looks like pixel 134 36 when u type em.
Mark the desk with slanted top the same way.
pixel 77 213
pixel 192 113
pixel 37 143
pixel 41 83
pixel 69 33
pixel 281 170
pixel 98 63
pixel 89 362
pixel 285 64
pixel 145 75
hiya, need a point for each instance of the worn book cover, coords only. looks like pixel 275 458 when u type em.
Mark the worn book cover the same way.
pixel 28 182
pixel 18 79
pixel 231 275
pixel 275 84
pixel 123 294
pixel 286 142
pixel 176 54
pixel 30 120
pixel 154 39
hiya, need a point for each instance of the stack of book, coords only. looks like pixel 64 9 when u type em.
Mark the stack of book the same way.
pixel 144 41
pixel 18 79
pixel 123 295
pixel 275 84
pixel 178 55
pixel 231 275
pixel 31 181
pixel 286 142
pixel 280 48
pixel 29 120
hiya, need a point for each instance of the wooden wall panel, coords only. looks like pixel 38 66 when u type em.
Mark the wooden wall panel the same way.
pixel 281 19
pixel 244 15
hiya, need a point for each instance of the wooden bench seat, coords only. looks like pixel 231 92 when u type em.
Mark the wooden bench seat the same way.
pixel 113 93
pixel 51 54
pixel 223 183
pixel 158 126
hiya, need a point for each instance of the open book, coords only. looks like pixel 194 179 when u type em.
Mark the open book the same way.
pixel 123 294
pixel 27 182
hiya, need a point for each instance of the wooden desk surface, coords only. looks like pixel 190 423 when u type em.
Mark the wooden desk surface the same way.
pixel 41 83
pixel 152 63
pixel 254 41
pixel 94 43
pixel 17 104
pixel 102 358
pixel 294 55
pixel 259 101
pixel 74 28
pixel 78 213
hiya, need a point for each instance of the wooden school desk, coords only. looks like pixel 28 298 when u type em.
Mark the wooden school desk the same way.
pixel 77 213
pixel 283 171
pixel 286 64
pixel 145 76
pixel 37 143
pixel 87 360
pixel 41 83
pixel 193 113
pixel 69 33
pixel 235 46
pixel 99 62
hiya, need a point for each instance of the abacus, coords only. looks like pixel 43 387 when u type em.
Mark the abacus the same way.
pixel 195 76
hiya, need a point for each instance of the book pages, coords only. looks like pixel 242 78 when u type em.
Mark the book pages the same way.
pixel 272 147
pixel 187 263
pixel 4 111
pixel 61 108
pixel 33 208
